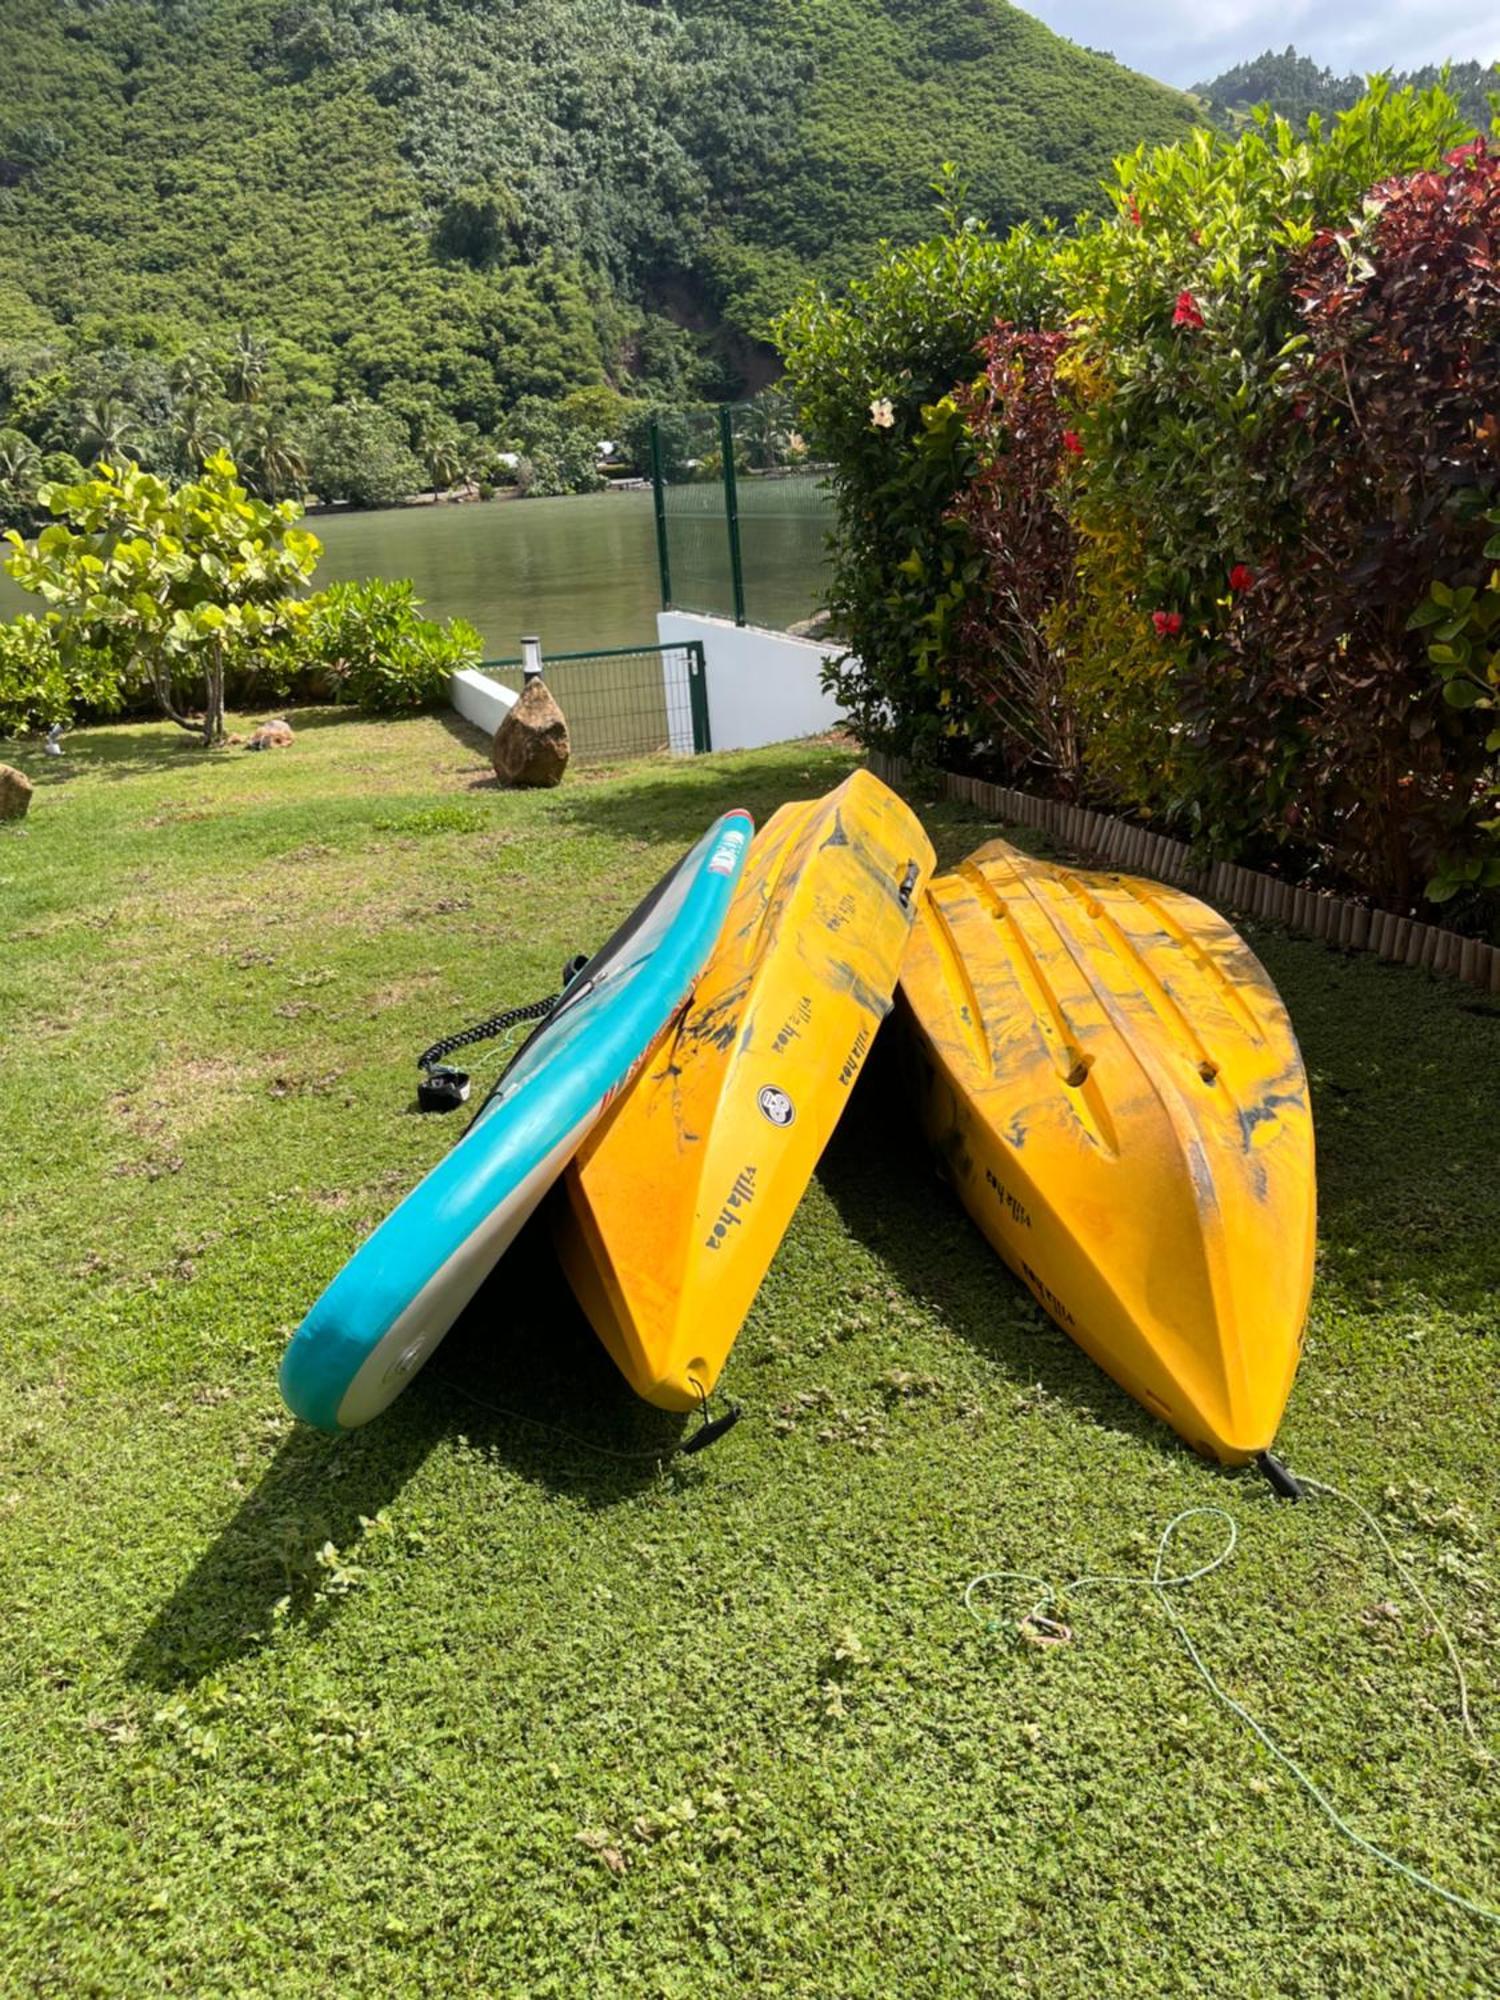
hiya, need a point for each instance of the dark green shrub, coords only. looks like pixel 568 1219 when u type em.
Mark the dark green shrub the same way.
pixel 871 376
pixel 371 641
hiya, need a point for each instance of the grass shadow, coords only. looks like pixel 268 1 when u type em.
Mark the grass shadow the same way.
pixel 1404 1069
pixel 143 746
pixel 314 1492
pixel 679 797
pixel 468 735
pixel 521 1377
pixel 526 1379
pixel 115 750
pixel 878 1173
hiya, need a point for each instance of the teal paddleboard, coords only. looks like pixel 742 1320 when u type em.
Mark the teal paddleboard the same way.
pixel 403 1288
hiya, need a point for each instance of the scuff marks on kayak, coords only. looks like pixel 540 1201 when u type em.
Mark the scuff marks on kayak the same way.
pixel 1120 1064
pixel 717 1021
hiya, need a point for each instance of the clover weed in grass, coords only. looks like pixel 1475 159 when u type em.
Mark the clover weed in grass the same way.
pixel 460 1705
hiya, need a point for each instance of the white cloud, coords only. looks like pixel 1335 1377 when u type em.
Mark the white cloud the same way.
pixel 1189 41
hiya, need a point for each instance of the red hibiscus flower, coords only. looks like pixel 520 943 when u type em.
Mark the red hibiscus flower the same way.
pixel 1241 577
pixel 1134 211
pixel 1168 623
pixel 1187 313
pixel 1072 444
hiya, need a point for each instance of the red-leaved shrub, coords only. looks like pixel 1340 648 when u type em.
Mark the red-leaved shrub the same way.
pixel 1392 417
pixel 1002 649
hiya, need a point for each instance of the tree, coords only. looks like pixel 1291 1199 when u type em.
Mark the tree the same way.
pixel 107 429
pixel 195 374
pixel 188 581
pixel 20 469
pixel 271 460
pixel 196 431
pixel 246 370
pixel 358 452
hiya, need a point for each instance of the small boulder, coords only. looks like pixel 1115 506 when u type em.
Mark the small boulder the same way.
pixel 15 792
pixel 531 745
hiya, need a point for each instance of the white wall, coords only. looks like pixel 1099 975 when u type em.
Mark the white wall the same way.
pixel 763 687
pixel 482 701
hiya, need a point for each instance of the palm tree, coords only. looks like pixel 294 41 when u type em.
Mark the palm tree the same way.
pixel 20 470
pixel 108 429
pixel 443 455
pixel 195 375
pixel 195 430
pixel 271 460
pixel 248 365
pixel 765 428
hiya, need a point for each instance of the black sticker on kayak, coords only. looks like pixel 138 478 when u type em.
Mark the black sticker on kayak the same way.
pixel 776 1105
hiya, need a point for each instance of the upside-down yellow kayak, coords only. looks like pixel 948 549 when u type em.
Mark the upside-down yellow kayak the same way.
pixel 678 1201
pixel 1115 1088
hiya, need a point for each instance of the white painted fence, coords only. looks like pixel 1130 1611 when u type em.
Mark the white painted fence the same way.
pixel 763 687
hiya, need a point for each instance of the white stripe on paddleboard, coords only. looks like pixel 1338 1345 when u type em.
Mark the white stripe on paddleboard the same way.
pixel 411 1338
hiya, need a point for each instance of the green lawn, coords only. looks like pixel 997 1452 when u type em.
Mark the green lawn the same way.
pixel 460 1705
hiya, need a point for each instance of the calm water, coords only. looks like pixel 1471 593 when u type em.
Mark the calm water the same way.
pixel 579 572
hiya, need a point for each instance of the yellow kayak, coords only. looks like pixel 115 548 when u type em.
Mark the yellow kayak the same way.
pixel 1115 1088
pixel 677 1202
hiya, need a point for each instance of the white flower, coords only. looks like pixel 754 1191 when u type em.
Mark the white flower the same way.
pixel 882 416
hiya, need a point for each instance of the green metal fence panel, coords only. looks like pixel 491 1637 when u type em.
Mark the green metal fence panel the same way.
pixel 698 695
pixel 731 512
pixel 627 701
pixel 742 519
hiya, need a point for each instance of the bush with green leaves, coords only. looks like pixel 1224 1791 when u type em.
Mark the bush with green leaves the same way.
pixel 872 375
pixel 371 642
pixel 1182 315
pixel 361 453
pixel 559 443
pixel 183 584
pixel 42 682
pixel 1281 413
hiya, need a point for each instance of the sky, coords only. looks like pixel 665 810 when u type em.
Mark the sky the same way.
pixel 1191 41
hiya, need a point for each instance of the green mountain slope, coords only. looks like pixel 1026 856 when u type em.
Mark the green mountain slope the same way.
pixel 475 202
pixel 1295 86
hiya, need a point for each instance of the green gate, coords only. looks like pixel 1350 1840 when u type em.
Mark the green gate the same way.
pixel 626 701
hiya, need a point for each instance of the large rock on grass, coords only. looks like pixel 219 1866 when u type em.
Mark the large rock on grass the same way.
pixel 531 745
pixel 15 792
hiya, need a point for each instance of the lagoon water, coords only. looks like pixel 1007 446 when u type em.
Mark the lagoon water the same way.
pixel 579 572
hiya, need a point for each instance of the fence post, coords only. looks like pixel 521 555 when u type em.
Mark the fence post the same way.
pixel 659 498
pixel 698 696
pixel 732 510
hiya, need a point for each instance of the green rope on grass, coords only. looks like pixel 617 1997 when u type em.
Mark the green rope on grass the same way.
pixel 1040 1622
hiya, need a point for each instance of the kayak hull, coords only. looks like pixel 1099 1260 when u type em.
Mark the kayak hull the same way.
pixel 1112 1085
pixel 401 1291
pixel 676 1204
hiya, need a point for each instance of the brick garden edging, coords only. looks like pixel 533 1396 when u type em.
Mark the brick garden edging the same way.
pixel 1349 926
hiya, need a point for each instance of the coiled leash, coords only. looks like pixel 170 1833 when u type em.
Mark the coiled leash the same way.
pixel 444 1088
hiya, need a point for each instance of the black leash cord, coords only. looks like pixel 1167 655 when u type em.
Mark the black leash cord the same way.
pixel 484 1031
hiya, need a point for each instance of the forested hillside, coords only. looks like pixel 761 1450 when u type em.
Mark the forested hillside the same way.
pixel 452 205
pixel 1295 85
